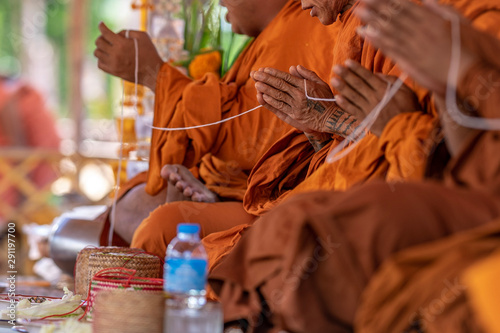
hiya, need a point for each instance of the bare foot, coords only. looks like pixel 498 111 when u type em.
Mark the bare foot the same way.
pixel 183 186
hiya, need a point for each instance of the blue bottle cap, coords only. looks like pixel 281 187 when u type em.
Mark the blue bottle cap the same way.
pixel 188 228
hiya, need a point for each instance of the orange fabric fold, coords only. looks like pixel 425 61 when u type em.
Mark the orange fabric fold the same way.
pixel 291 38
pixel 482 284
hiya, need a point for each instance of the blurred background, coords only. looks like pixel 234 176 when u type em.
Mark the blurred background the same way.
pixel 59 114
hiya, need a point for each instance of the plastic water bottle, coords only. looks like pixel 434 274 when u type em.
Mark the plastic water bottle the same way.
pixel 185 278
pixel 186 267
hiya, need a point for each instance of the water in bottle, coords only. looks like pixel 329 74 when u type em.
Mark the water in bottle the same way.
pixel 185 277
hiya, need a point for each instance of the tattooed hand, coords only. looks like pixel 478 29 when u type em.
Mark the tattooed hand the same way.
pixel 283 94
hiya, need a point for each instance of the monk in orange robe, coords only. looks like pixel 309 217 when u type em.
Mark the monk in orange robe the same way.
pixel 25 122
pixel 400 153
pixel 303 267
pixel 220 156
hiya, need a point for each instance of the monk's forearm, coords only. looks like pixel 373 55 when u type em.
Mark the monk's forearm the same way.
pixel 318 140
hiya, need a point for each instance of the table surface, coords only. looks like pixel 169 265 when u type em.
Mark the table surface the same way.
pixel 30 286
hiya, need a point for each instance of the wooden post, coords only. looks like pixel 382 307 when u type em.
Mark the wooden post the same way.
pixel 76 43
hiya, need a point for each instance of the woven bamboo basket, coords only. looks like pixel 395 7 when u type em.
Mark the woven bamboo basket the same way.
pixel 92 260
pixel 121 279
pixel 127 311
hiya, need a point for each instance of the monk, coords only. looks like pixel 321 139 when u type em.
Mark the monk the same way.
pixel 221 156
pixel 295 163
pixel 303 267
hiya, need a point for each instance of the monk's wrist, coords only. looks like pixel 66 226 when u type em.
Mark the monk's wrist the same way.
pixel 339 122
pixel 318 140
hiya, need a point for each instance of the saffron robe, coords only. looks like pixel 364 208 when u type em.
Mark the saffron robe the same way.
pixel 303 266
pixel 411 287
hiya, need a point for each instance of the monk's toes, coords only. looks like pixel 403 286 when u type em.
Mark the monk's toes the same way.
pixel 169 169
pixel 181 185
pixel 201 197
pixel 188 191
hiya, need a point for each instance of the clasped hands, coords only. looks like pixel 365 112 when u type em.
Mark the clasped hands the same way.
pixel 358 93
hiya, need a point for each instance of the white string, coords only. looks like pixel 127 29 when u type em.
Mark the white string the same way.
pixel 354 138
pixel 120 158
pixel 204 125
pixel 317 98
pixel 451 88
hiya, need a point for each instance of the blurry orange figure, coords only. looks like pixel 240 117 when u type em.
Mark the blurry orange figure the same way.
pixel 25 122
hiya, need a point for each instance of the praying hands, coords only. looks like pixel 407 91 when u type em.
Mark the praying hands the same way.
pixel 284 94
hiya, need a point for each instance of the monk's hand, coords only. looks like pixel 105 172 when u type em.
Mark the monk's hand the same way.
pixel 116 56
pixel 360 91
pixel 283 94
pixel 417 37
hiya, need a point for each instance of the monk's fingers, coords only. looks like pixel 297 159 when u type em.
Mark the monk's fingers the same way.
pixel 373 80
pixel 101 55
pixel 266 82
pixel 351 83
pixel 288 119
pixel 391 47
pixel 102 65
pixel 283 76
pixel 393 28
pixel 107 34
pixel 309 74
pixel 350 107
pixel 353 95
pixel 103 44
pixel 395 11
pixel 278 104
pixel 293 71
pixel 276 94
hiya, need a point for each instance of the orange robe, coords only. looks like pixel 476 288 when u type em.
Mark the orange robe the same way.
pixel 226 152
pixel 303 266
pixel 408 279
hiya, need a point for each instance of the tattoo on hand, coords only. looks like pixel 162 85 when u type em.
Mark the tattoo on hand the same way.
pixel 341 123
pixel 315 105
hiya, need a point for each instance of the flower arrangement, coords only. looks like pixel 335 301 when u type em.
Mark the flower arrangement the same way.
pixel 191 34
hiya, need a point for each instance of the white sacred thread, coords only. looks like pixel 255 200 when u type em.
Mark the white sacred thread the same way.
pixel 204 125
pixel 120 158
pixel 451 88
